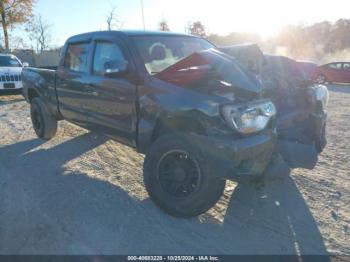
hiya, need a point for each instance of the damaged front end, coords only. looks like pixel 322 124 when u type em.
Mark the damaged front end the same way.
pixel 301 104
pixel 237 132
pixel 298 105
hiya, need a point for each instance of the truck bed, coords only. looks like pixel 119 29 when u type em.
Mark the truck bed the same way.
pixel 43 81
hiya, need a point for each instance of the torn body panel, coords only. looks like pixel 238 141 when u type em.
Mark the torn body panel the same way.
pixel 188 96
pixel 212 72
pixel 301 115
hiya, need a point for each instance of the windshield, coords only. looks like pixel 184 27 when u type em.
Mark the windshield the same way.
pixel 161 52
pixel 9 61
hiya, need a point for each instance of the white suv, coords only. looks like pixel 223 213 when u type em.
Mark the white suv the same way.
pixel 10 72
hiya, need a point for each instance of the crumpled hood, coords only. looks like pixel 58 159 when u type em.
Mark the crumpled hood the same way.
pixel 209 69
pixel 10 70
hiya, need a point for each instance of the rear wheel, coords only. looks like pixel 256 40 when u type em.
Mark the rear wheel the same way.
pixel 44 124
pixel 178 178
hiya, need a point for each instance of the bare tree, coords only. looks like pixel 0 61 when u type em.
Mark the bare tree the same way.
pixel 39 32
pixel 112 19
pixel 14 12
pixel 163 25
pixel 18 43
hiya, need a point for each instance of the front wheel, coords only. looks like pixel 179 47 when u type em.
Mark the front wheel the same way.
pixel 44 124
pixel 178 178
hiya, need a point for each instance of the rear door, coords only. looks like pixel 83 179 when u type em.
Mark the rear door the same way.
pixel 346 72
pixel 111 100
pixel 72 83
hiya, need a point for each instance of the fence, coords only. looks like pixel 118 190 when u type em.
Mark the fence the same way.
pixel 43 59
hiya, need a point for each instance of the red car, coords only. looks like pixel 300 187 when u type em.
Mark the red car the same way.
pixel 338 72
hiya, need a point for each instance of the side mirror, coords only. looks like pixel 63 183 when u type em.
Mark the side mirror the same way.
pixel 116 68
pixel 25 64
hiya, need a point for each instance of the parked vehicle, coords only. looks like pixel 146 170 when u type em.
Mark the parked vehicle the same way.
pixel 336 72
pixel 10 72
pixel 197 114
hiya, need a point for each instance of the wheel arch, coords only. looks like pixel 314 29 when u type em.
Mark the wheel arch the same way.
pixel 181 124
pixel 32 93
pixel 170 125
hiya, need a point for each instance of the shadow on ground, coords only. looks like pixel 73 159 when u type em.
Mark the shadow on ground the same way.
pixel 6 92
pixel 10 97
pixel 45 209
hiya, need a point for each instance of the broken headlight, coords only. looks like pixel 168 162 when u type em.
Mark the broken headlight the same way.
pixel 249 118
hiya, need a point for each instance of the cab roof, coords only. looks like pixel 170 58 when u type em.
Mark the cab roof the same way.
pixel 125 33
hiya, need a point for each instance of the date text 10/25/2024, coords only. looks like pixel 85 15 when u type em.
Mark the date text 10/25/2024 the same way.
pixel 173 258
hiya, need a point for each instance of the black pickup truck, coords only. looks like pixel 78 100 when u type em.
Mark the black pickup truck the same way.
pixel 197 114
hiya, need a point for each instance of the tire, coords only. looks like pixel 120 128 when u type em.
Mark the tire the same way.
pixel 186 163
pixel 44 124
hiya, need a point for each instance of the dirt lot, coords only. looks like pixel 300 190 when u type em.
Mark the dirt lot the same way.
pixel 83 194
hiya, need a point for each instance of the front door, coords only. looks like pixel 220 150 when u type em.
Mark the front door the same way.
pixel 111 102
pixel 346 72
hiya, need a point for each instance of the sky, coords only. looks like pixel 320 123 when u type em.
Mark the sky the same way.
pixel 265 17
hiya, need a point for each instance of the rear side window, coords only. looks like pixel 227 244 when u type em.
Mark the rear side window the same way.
pixel 105 54
pixel 346 66
pixel 335 66
pixel 77 57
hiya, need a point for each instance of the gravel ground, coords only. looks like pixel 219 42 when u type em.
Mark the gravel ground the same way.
pixel 83 194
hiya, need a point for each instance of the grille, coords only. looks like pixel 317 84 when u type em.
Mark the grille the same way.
pixel 10 78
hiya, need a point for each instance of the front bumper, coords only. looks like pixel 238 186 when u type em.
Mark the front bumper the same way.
pixel 240 159
pixel 11 85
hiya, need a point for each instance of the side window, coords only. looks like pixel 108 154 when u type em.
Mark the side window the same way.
pixel 77 57
pixel 107 55
pixel 335 66
pixel 346 66
pixel 161 57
